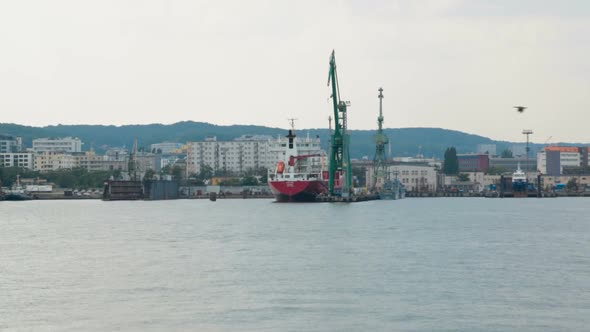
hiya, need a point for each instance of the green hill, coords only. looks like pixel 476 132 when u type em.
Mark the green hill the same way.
pixel 404 141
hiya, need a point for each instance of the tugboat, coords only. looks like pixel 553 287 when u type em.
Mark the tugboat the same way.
pixel 298 177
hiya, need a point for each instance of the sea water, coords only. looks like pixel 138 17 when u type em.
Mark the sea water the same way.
pixel 423 264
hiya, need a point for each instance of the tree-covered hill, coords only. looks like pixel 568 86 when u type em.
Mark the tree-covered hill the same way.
pixel 404 141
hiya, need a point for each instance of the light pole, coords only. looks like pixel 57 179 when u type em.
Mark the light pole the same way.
pixel 527 132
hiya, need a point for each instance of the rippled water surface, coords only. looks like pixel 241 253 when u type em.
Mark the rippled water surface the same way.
pixel 446 264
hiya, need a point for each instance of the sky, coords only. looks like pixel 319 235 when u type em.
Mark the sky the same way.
pixel 454 64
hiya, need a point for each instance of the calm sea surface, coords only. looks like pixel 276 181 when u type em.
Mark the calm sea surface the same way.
pixel 443 264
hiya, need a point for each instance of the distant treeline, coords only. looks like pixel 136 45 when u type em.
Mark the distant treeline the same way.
pixel 430 142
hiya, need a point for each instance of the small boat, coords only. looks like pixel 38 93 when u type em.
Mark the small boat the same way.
pixel 16 192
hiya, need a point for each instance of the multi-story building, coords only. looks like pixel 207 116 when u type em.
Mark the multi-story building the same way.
pixel 237 156
pixel 17 159
pixel 117 154
pixel 166 148
pixel 473 162
pixel 414 176
pixel 553 159
pixel 66 144
pixel 89 161
pixel 51 161
pixel 9 143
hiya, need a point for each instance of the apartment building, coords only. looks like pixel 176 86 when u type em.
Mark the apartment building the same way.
pixel 235 156
pixel 9 143
pixel 17 159
pixel 66 144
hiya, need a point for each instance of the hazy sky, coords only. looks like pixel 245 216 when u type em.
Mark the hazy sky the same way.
pixel 455 64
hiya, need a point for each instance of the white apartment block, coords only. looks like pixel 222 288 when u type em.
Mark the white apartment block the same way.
pixel 66 144
pixel 16 159
pixel 51 161
pixel 9 143
pixel 232 156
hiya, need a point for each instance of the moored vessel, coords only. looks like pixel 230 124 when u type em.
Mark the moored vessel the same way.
pixel 519 183
pixel 299 174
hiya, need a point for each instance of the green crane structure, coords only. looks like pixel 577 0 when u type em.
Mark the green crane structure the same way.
pixel 340 168
pixel 379 162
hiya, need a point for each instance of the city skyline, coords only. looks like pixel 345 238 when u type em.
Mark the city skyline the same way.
pixel 459 65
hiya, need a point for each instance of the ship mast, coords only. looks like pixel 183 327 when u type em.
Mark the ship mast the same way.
pixel 340 139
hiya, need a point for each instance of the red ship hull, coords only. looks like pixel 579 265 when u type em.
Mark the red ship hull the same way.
pixel 297 191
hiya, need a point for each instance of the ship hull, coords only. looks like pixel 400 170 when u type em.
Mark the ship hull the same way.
pixel 297 191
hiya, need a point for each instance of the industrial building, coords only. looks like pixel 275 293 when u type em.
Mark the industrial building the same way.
pixel 414 176
pixel 473 162
pixel 552 159
pixel 511 164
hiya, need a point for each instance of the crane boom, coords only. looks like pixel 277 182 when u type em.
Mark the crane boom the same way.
pixel 340 168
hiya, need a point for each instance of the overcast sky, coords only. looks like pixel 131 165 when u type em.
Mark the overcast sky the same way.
pixel 455 64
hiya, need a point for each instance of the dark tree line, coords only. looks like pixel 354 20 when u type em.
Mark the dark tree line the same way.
pixel 451 162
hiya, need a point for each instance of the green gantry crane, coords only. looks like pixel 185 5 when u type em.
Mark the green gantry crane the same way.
pixel 340 168
pixel 379 162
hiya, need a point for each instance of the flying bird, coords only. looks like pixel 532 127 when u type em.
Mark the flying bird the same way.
pixel 520 109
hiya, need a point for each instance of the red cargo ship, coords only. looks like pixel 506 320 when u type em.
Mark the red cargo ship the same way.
pixel 298 177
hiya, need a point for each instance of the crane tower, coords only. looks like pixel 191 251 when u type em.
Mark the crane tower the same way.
pixel 379 162
pixel 340 171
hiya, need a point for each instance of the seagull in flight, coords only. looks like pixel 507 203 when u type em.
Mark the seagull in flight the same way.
pixel 520 109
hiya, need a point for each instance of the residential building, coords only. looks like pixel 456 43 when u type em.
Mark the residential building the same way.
pixel 51 161
pixel 239 155
pixel 66 144
pixel 17 159
pixel 10 143
pixel 166 148
pixel 89 161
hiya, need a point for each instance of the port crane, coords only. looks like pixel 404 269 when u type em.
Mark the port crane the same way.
pixel 340 168
pixel 379 162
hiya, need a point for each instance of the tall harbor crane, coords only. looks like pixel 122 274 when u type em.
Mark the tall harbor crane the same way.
pixel 379 162
pixel 340 169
